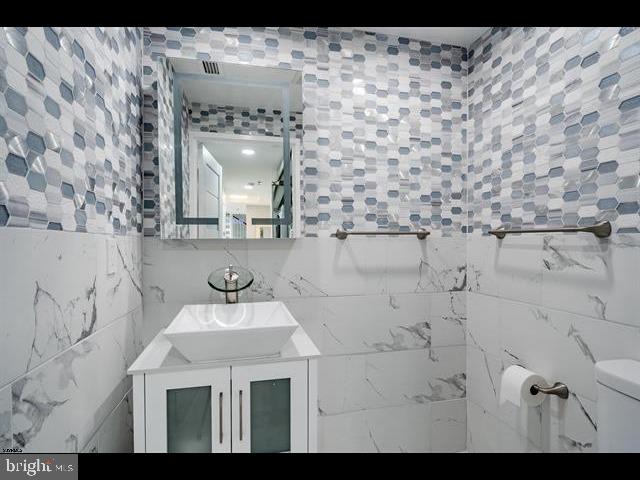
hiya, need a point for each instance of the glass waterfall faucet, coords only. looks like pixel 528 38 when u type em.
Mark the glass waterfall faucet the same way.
pixel 230 280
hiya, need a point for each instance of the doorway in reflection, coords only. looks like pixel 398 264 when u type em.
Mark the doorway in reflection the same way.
pixel 240 182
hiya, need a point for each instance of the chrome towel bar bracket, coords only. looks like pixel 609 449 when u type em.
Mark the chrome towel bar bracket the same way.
pixel 600 230
pixel 343 234
pixel 559 389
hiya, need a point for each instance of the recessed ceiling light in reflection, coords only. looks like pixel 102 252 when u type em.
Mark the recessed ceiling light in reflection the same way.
pixel 237 198
pixel 248 151
pixel 249 186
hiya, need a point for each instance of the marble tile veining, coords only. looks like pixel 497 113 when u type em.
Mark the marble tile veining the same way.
pixel 360 382
pixel 383 430
pixel 52 404
pixel 5 418
pixel 116 434
pixel 585 313
pixel 553 117
pixel 377 323
pixel 388 314
pixel 71 176
pixel 574 273
pixel 68 288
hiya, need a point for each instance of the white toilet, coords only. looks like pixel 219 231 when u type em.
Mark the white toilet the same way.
pixel 618 405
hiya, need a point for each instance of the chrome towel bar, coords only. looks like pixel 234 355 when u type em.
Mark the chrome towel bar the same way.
pixel 342 234
pixel 600 230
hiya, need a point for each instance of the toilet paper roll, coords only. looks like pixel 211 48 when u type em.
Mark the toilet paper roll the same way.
pixel 516 386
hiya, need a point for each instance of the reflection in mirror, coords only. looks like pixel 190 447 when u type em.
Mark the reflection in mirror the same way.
pixel 237 132
pixel 240 179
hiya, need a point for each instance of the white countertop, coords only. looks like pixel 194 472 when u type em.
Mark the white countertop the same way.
pixel 160 356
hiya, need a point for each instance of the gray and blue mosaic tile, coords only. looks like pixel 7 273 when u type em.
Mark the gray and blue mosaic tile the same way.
pixel 384 142
pixel 554 119
pixel 70 129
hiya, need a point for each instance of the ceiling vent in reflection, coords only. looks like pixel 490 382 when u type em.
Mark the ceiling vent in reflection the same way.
pixel 211 68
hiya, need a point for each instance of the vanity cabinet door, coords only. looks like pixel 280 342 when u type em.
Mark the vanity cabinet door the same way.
pixel 270 408
pixel 188 411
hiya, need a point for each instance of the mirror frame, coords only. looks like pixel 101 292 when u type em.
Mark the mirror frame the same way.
pixel 283 87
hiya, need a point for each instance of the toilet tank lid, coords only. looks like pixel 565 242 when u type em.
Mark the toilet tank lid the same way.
pixel 621 375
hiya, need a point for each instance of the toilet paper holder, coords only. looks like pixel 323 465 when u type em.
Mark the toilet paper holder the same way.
pixel 558 388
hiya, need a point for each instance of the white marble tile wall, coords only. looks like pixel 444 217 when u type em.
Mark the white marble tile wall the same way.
pixel 72 323
pixel 430 427
pixel 388 314
pixel 5 417
pixel 555 304
pixel 116 434
pixel 378 380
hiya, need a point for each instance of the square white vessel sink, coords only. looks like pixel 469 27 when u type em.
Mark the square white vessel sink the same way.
pixel 211 332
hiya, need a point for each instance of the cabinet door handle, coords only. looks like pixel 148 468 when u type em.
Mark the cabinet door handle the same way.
pixel 220 417
pixel 240 415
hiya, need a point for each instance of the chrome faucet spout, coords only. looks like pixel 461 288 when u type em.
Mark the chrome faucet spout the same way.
pixel 231 285
pixel 230 280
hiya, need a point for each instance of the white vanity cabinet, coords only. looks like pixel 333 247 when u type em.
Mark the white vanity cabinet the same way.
pixel 269 408
pixel 264 405
pixel 188 411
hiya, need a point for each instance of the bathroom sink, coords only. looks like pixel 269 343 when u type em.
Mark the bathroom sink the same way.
pixel 221 331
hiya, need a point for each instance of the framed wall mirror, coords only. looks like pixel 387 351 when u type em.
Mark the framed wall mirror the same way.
pixel 230 149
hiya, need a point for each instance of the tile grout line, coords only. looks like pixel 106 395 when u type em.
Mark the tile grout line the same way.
pixel 310 297
pixel 542 305
pixel 70 347
pixel 398 405
pixel 97 431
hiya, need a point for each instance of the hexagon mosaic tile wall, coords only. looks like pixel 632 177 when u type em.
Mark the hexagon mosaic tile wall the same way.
pixel 70 129
pixel 554 122
pixel 384 140
pixel 238 120
pixel 554 117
